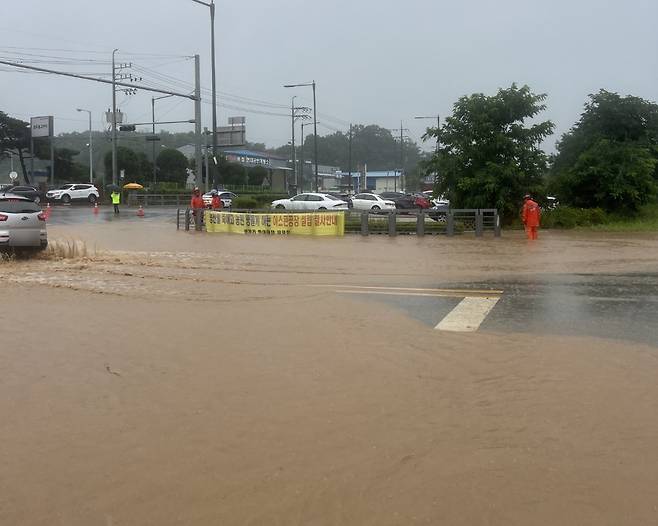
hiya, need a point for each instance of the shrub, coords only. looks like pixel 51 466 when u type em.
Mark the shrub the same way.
pixel 245 202
pixel 570 217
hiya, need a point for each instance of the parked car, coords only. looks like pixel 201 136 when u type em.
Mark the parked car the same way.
pixel 422 201
pixel 439 211
pixel 343 197
pixel 226 197
pixel 22 224
pixel 372 202
pixel 310 201
pixel 402 201
pixel 74 192
pixel 31 192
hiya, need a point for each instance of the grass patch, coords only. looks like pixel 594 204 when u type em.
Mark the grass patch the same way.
pixel 645 220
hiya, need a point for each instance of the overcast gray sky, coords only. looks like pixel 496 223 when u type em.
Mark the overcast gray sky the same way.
pixel 374 61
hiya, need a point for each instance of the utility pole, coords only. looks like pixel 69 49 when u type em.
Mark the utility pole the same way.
pixel 402 138
pixel 395 180
pixel 294 161
pixel 315 137
pixel 349 157
pixel 114 120
pixel 197 117
pixel 205 133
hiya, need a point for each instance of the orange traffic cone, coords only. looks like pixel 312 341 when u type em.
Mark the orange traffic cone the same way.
pixel 47 211
pixel 96 208
pixel 140 211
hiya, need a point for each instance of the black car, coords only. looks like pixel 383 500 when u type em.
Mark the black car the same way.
pixel 30 192
pixel 402 201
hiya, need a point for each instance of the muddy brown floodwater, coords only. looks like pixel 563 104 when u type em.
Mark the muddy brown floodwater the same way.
pixel 171 378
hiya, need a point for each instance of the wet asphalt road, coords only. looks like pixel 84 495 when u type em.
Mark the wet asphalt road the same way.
pixel 617 306
pixel 84 214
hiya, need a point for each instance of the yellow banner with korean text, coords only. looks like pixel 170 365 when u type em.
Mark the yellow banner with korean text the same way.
pixel 310 224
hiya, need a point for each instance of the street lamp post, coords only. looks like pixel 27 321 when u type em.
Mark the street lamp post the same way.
pixel 91 149
pixel 315 125
pixel 211 5
pixel 438 125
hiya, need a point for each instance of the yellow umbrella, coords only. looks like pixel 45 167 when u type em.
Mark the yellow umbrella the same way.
pixel 133 186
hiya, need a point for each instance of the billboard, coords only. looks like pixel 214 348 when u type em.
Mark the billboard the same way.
pixel 231 135
pixel 41 126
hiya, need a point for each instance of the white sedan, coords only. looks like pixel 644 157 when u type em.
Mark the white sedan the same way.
pixel 371 202
pixel 226 197
pixel 310 201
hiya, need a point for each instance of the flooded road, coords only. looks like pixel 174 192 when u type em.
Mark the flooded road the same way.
pixel 165 377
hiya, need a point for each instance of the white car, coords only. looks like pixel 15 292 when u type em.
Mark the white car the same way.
pixel 310 201
pixel 74 192
pixel 226 197
pixel 22 224
pixel 372 202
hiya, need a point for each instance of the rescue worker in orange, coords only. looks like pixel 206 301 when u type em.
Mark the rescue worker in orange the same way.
pixel 197 205
pixel 216 203
pixel 530 214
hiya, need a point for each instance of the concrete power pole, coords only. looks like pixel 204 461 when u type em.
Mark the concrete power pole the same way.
pixel 114 120
pixel 197 124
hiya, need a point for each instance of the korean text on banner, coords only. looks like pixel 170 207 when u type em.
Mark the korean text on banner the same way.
pixel 320 224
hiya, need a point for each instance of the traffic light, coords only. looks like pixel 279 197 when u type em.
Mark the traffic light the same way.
pixel 127 127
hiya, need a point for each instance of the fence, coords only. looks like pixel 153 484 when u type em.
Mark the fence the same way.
pixel 394 222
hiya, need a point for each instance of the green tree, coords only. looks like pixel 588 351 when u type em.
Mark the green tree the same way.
pixel 126 160
pixel 256 175
pixel 609 159
pixel 15 137
pixel 489 157
pixel 172 166
pixel 67 169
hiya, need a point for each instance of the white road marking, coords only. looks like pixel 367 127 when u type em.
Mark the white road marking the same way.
pixel 456 292
pixel 468 315
pixel 437 294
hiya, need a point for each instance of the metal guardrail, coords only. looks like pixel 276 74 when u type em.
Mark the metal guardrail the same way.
pixel 392 223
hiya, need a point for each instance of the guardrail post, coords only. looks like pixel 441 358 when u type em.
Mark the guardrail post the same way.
pixel 496 224
pixel 392 223
pixel 198 219
pixel 479 223
pixel 187 219
pixel 364 223
pixel 450 224
pixel 178 219
pixel 420 223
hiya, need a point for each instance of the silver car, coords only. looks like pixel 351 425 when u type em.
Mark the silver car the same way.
pixel 22 224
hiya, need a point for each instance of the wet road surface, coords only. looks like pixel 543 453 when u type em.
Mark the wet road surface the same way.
pixel 616 306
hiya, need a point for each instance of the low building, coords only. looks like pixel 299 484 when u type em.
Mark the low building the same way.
pixel 375 181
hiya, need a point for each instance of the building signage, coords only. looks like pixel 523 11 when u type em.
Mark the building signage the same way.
pixel 41 126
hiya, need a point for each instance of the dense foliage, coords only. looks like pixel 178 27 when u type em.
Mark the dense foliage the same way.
pixel 609 159
pixel 488 156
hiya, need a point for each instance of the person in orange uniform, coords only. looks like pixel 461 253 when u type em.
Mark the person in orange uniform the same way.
pixel 530 214
pixel 216 203
pixel 197 205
